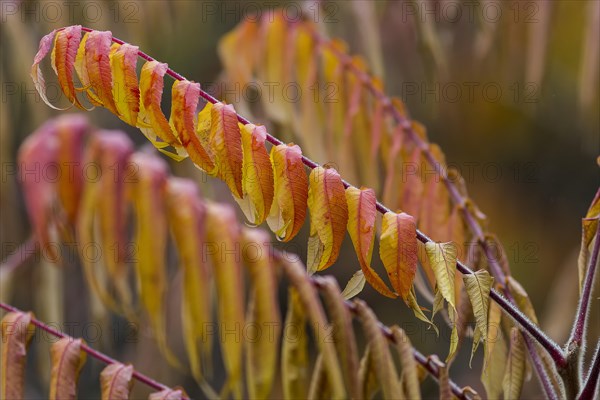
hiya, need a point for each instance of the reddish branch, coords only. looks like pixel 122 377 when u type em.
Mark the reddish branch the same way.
pixel 89 350
pixel 586 294
pixel 526 325
pixel 591 385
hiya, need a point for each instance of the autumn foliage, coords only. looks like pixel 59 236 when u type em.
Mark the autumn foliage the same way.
pixel 420 238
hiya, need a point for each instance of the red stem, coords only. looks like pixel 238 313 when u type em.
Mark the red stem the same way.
pixel 551 347
pixel 94 353
pixel 592 378
pixel 577 335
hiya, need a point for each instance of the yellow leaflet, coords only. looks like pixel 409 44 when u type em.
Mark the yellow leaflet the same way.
pixel 355 285
pixel 514 375
pixel 522 299
pixel 113 151
pixel 411 301
pixel 398 250
pixel 384 367
pixel 308 120
pixel 82 72
pixel 148 194
pixel 367 380
pixel 126 92
pixel 329 218
pixel 409 376
pixel 294 351
pixel 478 286
pixel 442 257
pixel 275 67
pixel 86 236
pixel 334 94
pixel 235 53
pixel 343 334
pixel 494 332
pixel 187 216
pixel 223 241
pixel 225 143
pixel 290 191
pixel 263 312
pixel 257 175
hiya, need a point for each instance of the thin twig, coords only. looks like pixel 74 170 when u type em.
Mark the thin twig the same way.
pixel 544 378
pixel 577 335
pixel 590 386
pixel 92 352
pixel 527 325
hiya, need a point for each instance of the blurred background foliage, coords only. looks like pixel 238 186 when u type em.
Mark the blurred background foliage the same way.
pixel 508 89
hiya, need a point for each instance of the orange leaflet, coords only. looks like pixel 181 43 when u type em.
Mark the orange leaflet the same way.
pixel 398 250
pixel 225 142
pixel 151 90
pixel 123 62
pixel 257 175
pixel 361 227
pixel 329 217
pixel 63 58
pixel 97 64
pixel 291 191
pixel 185 95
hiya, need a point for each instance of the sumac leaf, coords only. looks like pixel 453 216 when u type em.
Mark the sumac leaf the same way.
pixel 16 335
pixel 116 381
pixel 329 218
pixel 398 250
pixel 291 191
pixel 257 175
pixel 67 360
pixel 361 227
pixel 187 215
